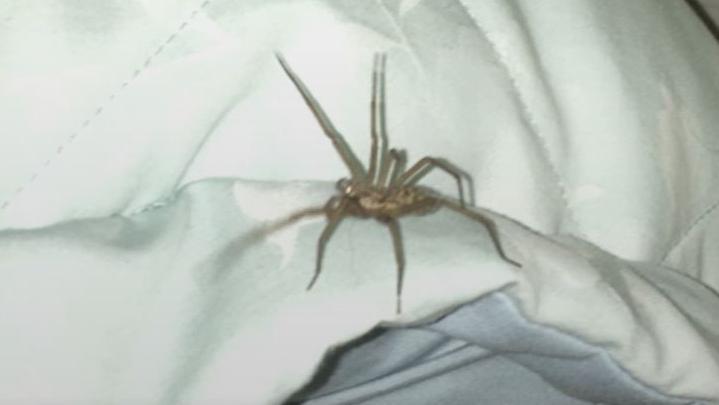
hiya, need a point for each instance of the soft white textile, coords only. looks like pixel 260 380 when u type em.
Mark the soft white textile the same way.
pixel 591 123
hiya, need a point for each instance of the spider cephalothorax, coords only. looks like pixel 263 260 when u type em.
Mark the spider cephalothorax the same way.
pixel 386 190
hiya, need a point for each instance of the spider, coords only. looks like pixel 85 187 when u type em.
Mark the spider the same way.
pixel 386 190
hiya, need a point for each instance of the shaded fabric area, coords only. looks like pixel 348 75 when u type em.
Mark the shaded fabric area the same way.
pixel 485 352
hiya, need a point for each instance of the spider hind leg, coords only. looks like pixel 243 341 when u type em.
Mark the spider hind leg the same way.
pixel 396 233
pixel 488 223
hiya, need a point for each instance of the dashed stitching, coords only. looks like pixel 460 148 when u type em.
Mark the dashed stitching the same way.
pixel 529 117
pixel 62 147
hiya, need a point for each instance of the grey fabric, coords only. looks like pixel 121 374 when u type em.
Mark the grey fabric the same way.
pixel 485 352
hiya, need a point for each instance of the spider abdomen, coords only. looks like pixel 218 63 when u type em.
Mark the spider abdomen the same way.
pixel 386 203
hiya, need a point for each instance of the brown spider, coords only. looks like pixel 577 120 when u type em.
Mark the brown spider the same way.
pixel 386 191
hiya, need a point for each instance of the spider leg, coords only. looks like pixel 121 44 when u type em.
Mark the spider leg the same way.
pixel 381 123
pixel 484 220
pixel 348 157
pixel 424 165
pixel 291 219
pixel 238 246
pixel 334 217
pixel 373 121
pixel 398 160
pixel 396 233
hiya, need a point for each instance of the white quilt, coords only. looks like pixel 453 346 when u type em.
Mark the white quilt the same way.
pixel 143 143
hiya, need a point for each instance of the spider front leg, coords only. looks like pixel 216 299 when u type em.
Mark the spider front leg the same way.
pixel 335 215
pixel 378 130
pixel 424 165
pixel 348 157
pixel 379 122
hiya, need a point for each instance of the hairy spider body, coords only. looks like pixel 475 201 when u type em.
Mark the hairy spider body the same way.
pixel 385 204
pixel 387 190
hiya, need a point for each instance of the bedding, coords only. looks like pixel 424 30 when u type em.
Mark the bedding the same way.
pixel 150 151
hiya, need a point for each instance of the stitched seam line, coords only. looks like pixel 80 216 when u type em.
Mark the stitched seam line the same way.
pixel 529 118
pixel 704 215
pixel 98 111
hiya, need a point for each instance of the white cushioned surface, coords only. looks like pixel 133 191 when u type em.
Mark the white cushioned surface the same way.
pixel 590 129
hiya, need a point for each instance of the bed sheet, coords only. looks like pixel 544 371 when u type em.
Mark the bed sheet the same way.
pixel 589 129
